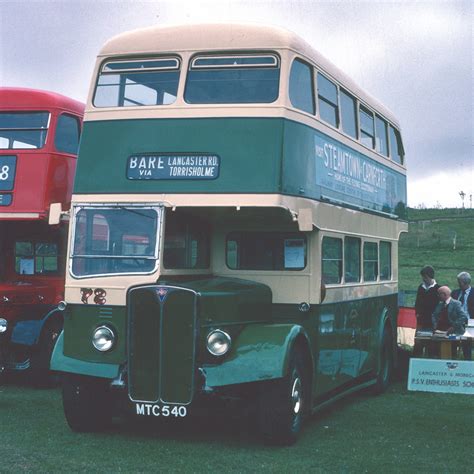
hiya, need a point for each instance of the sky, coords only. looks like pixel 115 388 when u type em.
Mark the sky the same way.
pixel 414 57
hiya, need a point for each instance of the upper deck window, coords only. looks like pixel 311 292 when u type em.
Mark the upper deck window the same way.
pixel 67 134
pixel 236 79
pixel 327 101
pixel 381 143
pixel 367 134
pixel 396 146
pixel 135 83
pixel 348 114
pixel 301 86
pixel 23 130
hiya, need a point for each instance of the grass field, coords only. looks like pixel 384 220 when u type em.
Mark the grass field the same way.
pixel 431 238
pixel 399 431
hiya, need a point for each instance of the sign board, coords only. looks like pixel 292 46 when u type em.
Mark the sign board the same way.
pixel 441 375
pixel 7 172
pixel 347 175
pixel 173 166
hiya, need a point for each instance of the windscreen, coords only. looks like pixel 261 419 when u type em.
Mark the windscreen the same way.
pixel 136 83
pixel 236 79
pixel 23 130
pixel 115 240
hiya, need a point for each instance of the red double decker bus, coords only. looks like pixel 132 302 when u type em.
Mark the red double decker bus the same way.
pixel 39 139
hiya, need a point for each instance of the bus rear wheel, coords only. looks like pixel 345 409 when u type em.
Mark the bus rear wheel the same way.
pixel 283 404
pixel 85 403
pixel 385 372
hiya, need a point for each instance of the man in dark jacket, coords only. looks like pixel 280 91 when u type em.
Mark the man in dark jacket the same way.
pixel 426 298
pixel 426 301
pixel 465 295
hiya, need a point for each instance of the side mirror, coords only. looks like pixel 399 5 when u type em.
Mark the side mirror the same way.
pixel 55 210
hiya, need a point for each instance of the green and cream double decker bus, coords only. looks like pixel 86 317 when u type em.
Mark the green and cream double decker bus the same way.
pixel 234 226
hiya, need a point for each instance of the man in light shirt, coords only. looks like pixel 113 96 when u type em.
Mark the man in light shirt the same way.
pixel 465 295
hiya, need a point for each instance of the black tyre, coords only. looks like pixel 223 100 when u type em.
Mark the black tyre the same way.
pixel 385 372
pixel 284 403
pixel 40 364
pixel 85 403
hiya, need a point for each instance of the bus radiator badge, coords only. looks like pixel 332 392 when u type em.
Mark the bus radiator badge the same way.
pixel 162 293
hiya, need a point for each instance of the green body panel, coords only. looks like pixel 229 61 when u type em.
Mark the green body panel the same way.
pixel 80 322
pixel 257 155
pixel 259 353
pixel 343 339
pixel 250 152
pixel 62 363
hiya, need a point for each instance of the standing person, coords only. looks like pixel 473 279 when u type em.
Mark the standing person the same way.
pixel 426 298
pixel 425 304
pixel 465 295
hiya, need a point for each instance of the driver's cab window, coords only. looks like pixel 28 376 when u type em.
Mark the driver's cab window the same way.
pixel 186 243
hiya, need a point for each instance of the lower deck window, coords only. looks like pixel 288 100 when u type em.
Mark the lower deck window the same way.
pixel 385 260
pixel 332 260
pixel 370 261
pixel 266 251
pixel 186 243
pixel 36 258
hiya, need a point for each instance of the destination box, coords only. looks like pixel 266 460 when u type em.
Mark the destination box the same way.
pixel 7 172
pixel 440 375
pixel 5 199
pixel 173 166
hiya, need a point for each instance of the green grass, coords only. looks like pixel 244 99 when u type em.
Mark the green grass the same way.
pixel 399 431
pixel 430 241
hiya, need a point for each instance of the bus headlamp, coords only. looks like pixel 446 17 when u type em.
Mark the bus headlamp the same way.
pixel 103 339
pixel 3 325
pixel 218 342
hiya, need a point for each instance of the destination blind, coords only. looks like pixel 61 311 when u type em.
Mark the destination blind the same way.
pixel 173 166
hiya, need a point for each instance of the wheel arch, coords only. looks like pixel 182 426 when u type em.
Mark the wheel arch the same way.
pixel 261 352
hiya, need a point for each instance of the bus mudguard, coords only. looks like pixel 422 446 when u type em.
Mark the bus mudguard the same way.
pixel 387 318
pixel 261 352
pixel 28 332
pixel 62 363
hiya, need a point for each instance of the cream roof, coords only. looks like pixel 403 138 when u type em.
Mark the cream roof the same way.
pixel 229 36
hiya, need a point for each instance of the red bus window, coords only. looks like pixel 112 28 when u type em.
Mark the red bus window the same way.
pixel 34 259
pixel 23 130
pixel 67 134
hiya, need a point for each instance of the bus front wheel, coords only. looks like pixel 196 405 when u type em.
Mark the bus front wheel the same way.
pixel 283 404
pixel 85 403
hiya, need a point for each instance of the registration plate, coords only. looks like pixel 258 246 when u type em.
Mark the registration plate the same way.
pixel 166 411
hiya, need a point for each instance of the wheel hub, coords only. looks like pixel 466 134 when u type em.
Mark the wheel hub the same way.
pixel 296 395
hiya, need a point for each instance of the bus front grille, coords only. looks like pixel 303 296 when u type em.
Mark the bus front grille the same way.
pixel 161 344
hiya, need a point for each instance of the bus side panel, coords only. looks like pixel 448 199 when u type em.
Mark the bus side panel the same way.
pixel 319 167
